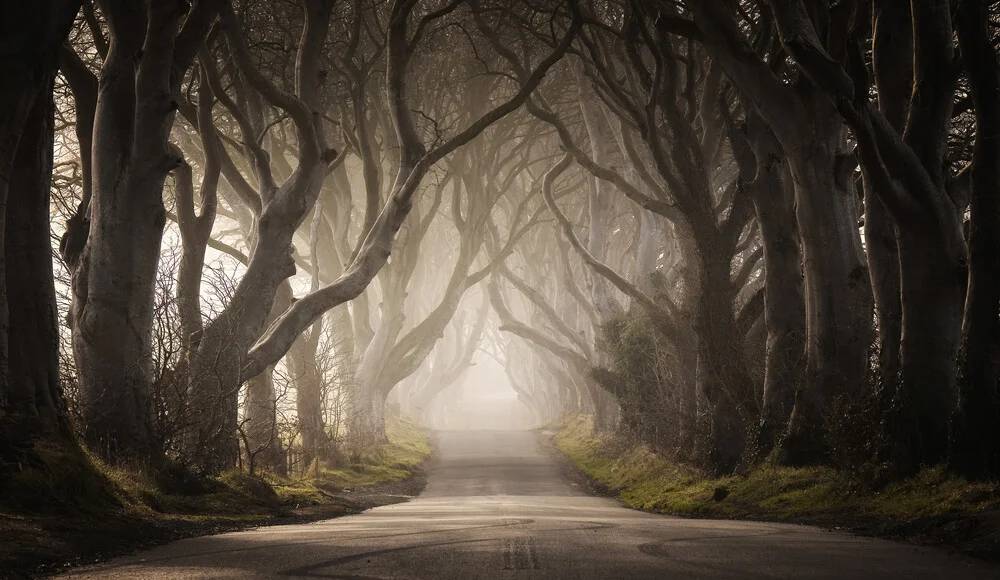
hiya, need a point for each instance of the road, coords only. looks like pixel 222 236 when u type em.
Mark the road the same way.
pixel 498 506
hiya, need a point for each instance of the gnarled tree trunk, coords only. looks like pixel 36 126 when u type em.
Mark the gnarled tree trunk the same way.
pixel 784 308
pixel 976 432
pixel 31 402
pixel 31 39
pixel 837 291
pixel 112 245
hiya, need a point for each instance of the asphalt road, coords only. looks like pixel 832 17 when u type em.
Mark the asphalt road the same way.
pixel 496 506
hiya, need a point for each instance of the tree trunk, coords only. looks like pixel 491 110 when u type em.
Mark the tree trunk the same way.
pixel 784 307
pixel 114 273
pixel 304 369
pixel 34 390
pixel 367 425
pixel 262 426
pixel 976 431
pixel 932 289
pixel 218 365
pixel 883 267
pixel 112 311
pixel 369 394
pixel 837 290
pixel 425 393
pixel 722 376
pixel 30 392
pixel 892 50
pixel 650 236
pixel 600 199
pixel 687 402
pixel 262 402
pixel 604 405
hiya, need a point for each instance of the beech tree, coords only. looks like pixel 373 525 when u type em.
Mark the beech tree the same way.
pixel 725 229
pixel 31 402
pixel 976 441
pixel 113 242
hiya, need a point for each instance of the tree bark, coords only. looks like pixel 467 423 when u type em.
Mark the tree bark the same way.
pixel 837 290
pixel 34 391
pixel 262 425
pixel 976 431
pixel 892 50
pixel 784 308
pixel 114 275
pixel 722 377
pixel 113 283
pixel 837 294
pixel 305 372
pixel 30 392
pixel 932 291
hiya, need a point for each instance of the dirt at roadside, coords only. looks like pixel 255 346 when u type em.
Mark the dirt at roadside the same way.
pixel 39 546
pixel 976 535
pixel 577 477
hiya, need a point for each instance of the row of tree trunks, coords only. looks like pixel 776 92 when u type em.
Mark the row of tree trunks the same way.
pixel 415 161
pixel 836 290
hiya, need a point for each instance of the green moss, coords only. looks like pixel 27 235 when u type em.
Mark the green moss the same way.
pixel 408 446
pixel 60 479
pixel 931 492
pixel 300 494
pixel 68 479
pixel 649 481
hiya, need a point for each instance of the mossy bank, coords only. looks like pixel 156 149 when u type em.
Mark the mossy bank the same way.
pixel 67 507
pixel 932 508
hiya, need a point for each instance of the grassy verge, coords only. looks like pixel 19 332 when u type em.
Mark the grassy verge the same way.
pixel 408 447
pixel 932 508
pixel 70 508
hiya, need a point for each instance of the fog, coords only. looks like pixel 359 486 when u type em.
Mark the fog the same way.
pixel 497 215
pixel 483 400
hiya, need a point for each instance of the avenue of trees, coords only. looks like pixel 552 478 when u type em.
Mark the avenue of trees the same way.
pixel 238 232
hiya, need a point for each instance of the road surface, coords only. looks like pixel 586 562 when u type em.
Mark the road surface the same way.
pixel 497 506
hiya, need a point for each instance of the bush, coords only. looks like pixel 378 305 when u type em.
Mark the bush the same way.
pixel 646 377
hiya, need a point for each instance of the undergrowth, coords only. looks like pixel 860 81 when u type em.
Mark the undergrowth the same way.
pixel 408 447
pixel 70 480
pixel 649 481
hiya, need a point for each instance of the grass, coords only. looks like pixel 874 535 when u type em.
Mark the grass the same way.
pixel 649 481
pixel 70 479
pixel 407 448
pixel 64 505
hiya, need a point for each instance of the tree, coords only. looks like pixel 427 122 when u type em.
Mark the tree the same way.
pixel 31 403
pixel 113 243
pixel 976 440
pixel 838 297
